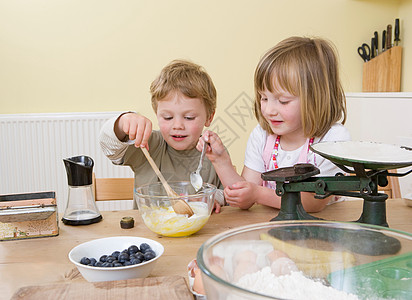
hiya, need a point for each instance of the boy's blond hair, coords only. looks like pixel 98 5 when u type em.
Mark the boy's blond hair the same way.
pixel 188 78
pixel 306 68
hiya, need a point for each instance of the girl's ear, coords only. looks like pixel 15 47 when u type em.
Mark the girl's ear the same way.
pixel 209 120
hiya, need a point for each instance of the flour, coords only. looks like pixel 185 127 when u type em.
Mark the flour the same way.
pixel 293 286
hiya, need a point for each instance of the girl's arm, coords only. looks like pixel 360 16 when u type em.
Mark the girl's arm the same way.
pixel 245 194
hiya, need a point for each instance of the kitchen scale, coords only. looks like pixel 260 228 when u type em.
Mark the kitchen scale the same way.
pixel 367 164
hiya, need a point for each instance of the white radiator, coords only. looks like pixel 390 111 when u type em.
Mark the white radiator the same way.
pixel 32 148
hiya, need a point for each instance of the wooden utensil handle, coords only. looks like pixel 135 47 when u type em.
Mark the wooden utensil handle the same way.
pixel 169 190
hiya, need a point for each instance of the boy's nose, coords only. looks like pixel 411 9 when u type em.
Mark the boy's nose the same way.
pixel 178 123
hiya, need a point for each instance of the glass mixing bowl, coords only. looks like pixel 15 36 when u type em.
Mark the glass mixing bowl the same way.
pixel 307 260
pixel 157 212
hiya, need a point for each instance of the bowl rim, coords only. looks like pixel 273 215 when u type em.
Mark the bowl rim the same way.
pixel 231 232
pixel 144 240
pixel 206 187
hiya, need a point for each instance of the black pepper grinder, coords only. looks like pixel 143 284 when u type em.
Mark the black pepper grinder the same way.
pixel 81 208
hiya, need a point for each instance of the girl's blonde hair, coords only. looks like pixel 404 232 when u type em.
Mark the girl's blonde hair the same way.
pixel 188 78
pixel 306 68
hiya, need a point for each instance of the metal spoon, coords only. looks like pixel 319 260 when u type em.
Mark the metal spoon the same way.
pixel 195 178
pixel 179 206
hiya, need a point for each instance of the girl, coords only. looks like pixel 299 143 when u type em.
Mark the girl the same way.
pixel 299 101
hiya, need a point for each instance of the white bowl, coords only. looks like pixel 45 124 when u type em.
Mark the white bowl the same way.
pixel 106 246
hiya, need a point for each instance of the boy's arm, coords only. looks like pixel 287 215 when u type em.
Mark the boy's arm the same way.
pixel 110 144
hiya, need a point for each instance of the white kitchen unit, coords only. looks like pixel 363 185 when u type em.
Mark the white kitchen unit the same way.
pixel 385 118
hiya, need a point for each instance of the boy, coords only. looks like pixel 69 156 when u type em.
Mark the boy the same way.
pixel 184 100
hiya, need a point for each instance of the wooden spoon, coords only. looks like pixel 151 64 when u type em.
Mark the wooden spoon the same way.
pixel 179 206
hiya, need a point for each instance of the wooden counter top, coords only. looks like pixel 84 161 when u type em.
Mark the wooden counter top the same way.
pixel 45 260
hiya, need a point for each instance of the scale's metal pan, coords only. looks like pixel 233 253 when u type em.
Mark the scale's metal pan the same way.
pixel 375 156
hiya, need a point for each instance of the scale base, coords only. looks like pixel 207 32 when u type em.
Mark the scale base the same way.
pixel 291 208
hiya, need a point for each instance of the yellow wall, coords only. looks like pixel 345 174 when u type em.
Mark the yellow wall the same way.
pixel 101 55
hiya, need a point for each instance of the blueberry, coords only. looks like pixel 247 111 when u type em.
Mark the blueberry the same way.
pixel 127 263
pixel 115 254
pixel 98 264
pixel 117 264
pixel 144 247
pixel 123 257
pixel 107 265
pixel 133 249
pixel 110 259
pixel 140 256
pixel 150 254
pixel 135 261
pixel 92 261
pixel 85 261
pixel 103 258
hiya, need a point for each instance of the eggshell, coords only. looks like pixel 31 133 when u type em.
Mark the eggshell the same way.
pixel 275 254
pixel 283 266
pixel 198 283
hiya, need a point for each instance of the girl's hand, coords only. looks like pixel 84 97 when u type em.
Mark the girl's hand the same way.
pixel 215 151
pixel 137 127
pixel 241 194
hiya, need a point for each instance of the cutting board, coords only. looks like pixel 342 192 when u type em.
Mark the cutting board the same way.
pixel 168 287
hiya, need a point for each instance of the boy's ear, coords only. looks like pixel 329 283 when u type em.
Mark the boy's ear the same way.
pixel 209 120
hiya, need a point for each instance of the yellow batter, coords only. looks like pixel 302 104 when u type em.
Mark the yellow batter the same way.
pixel 164 221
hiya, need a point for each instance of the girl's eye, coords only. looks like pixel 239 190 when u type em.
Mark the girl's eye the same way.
pixel 190 118
pixel 283 100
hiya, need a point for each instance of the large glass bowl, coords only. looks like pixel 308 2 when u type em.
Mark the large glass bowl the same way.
pixel 307 260
pixel 156 210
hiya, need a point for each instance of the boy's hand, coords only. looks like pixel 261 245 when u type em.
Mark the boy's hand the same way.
pixel 241 194
pixel 137 127
pixel 216 207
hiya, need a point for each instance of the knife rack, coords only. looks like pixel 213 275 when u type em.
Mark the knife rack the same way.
pixel 383 73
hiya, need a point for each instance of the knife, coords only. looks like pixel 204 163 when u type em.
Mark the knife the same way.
pixel 383 40
pixel 388 37
pixel 373 48
pixel 396 39
pixel 375 36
